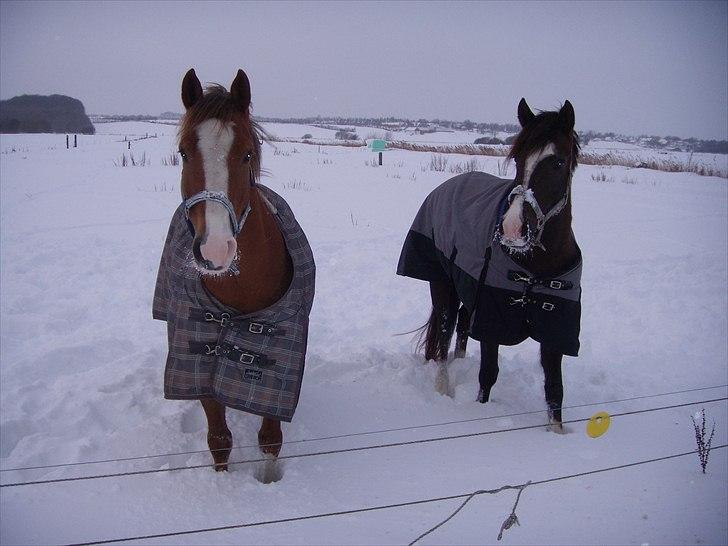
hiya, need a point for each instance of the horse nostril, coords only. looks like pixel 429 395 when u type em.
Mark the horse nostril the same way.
pixel 196 250
pixel 232 246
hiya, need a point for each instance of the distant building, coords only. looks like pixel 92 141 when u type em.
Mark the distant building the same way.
pixel 44 114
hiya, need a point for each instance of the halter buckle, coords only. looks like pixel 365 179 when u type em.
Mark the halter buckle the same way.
pixel 556 285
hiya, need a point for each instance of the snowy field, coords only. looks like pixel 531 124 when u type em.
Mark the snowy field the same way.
pixel 81 363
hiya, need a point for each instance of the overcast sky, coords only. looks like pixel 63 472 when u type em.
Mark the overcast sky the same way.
pixel 634 67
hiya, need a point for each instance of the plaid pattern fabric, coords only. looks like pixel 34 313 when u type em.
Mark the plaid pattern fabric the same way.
pixel 255 361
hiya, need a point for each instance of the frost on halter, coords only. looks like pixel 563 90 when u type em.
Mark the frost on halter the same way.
pixel 532 238
pixel 522 245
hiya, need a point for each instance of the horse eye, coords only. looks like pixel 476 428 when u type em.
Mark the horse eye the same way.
pixel 559 163
pixel 183 154
pixel 248 157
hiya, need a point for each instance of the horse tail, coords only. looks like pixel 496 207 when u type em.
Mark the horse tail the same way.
pixel 434 336
pixel 427 341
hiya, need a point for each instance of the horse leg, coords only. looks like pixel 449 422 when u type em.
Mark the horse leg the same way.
pixel 270 440
pixel 219 437
pixel 463 330
pixel 488 374
pixel 553 386
pixel 270 437
pixel 440 329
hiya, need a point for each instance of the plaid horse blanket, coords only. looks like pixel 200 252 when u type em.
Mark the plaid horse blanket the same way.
pixel 251 362
pixel 453 238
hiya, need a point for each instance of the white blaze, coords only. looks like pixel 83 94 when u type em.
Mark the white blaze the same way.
pixel 534 159
pixel 513 219
pixel 214 142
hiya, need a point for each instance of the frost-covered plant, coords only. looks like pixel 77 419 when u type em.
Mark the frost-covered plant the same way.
pixel 700 438
pixel 438 162
pixel 172 160
pixel 470 165
pixel 132 161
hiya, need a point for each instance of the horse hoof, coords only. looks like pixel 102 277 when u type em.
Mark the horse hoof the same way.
pixel 220 447
pixel 270 470
pixel 483 396
pixel 442 382
pixel 557 427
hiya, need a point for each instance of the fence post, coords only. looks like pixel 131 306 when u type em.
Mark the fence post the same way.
pixel 75 141
pixel 380 159
pixel 128 147
pixel 67 144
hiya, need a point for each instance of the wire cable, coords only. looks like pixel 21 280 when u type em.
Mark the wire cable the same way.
pixel 389 506
pixel 364 433
pixel 346 450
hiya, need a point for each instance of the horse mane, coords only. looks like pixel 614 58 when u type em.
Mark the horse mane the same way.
pixel 537 134
pixel 217 103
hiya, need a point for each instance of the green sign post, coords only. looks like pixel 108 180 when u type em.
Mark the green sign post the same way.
pixel 378 145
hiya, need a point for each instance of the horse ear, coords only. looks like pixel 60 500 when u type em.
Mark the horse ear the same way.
pixel 566 118
pixel 191 89
pixel 525 116
pixel 240 90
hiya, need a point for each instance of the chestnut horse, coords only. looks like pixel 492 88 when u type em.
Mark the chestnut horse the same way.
pixel 526 277
pixel 220 148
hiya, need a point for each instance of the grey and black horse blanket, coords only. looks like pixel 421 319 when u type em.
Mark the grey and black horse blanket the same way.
pixel 251 362
pixel 454 239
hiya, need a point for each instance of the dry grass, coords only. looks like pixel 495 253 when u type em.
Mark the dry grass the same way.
pixel 465 149
pixel 438 162
pixel 585 158
pixel 469 166
pixel 132 161
pixel 666 165
pixel 172 160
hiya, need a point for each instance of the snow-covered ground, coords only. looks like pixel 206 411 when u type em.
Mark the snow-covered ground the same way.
pixel 81 362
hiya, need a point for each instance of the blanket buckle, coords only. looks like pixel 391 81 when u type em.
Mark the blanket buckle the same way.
pixel 256 328
pixel 210 351
pixel 224 319
pixel 246 358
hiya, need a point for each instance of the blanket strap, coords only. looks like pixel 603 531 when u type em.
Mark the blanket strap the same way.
pixel 231 352
pixel 529 283
pixel 553 284
pixel 225 321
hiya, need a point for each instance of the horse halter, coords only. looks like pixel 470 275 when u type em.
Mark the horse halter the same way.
pixel 218 197
pixel 541 218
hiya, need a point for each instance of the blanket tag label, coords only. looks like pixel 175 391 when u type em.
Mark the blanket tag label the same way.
pixel 252 374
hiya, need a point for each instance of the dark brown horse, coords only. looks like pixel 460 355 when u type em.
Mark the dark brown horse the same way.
pixel 533 248
pixel 220 147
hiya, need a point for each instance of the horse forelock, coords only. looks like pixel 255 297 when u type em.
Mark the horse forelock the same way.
pixel 539 134
pixel 217 103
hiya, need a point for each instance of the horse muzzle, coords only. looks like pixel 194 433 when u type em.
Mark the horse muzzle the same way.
pixel 214 255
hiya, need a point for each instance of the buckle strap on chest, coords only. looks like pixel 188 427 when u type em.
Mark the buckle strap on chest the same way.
pixel 231 352
pixel 225 321
pixel 553 284
pixel 524 300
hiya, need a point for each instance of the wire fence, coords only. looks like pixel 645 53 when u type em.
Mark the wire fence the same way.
pixel 366 433
pixel 465 496
pixel 351 449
